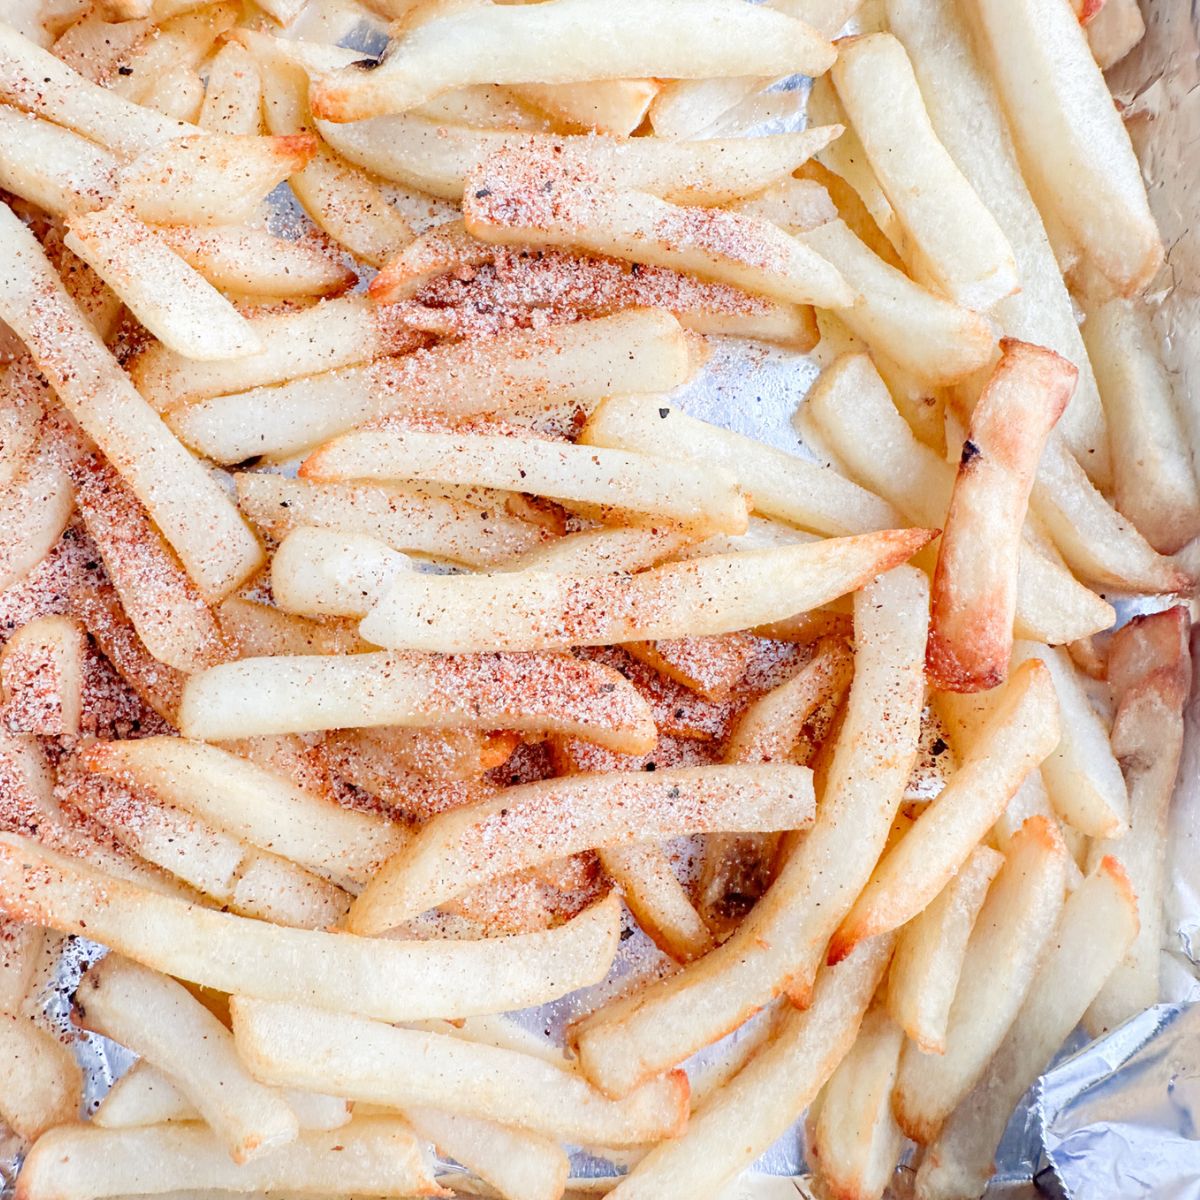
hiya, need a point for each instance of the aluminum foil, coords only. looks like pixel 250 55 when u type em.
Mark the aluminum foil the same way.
pixel 1116 1119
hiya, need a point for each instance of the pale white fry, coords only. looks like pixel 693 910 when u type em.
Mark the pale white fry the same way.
pixel 251 803
pixel 745 1116
pixel 437 157
pixel 719 593
pixel 1001 961
pixel 34 510
pixel 174 301
pixel 40 1083
pixel 215 180
pixel 389 980
pixel 1082 774
pixel 780 944
pixel 855 1140
pixel 323 573
pixel 33 79
pixel 928 963
pixel 164 1024
pixel 525 827
pixel 647 484
pixel 20 946
pixel 233 95
pixel 376 1156
pixel 613 106
pixel 638 350
pixel 1098 923
pixel 965 111
pixel 372 1062
pixel 1154 484
pixel 255 263
pixel 489 691
pixel 1073 145
pixel 952 240
pixel 780 485
pixel 557 43
pixel 535 198
pixel 42 677
pixel 1020 732
pixel 263 631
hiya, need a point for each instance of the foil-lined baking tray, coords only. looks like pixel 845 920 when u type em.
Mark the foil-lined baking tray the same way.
pixel 1115 1119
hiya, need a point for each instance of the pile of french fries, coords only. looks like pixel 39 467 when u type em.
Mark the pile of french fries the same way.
pixel 385 647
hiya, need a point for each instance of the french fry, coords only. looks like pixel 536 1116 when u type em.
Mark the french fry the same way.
pixel 405 520
pixel 233 97
pixel 252 263
pixel 319 572
pixel 243 880
pixel 41 677
pixel 522 827
pixel 613 106
pixel 441 755
pixel 663 39
pixel 966 114
pixel 1020 733
pixel 1065 126
pixel 715 594
pixel 518 1164
pixel 376 1155
pixel 260 631
pixel 939 341
pixel 508 1086
pixel 1154 484
pixel 504 200
pixel 180 44
pixel 1006 946
pixel 651 486
pixel 24 400
pixel 171 619
pixel 952 240
pixel 780 485
pixel 164 1024
pixel 220 179
pixel 1082 773
pixel 852 408
pixel 96 46
pixel 33 79
pixel 928 963
pixel 1150 669
pixel 52 167
pixel 41 1085
pixel 390 980
pixel 631 351
pixel 656 898
pixel 1098 923
pixel 178 93
pixel 20 946
pixel 146 1096
pixel 251 803
pixel 975 585
pixel 34 510
pixel 711 666
pixel 1114 31
pixel 768 1094
pixel 437 158
pixel 855 1139
pixel 177 304
pixel 780 944
pixel 194 515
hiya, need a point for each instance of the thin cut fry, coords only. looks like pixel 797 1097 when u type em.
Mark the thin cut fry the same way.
pixel 780 485
pixel 713 594
pixel 975 585
pixel 1014 927
pixel 34 510
pixel 52 167
pixel 645 484
pixel 163 1023
pixel 1098 923
pixel 233 96
pixel 322 573
pixel 41 1085
pixel 389 980
pixel 557 44
pixel 952 240
pixel 928 964
pixel 1019 734
pixel 490 691
pixel 189 507
pixel 41 677
pixel 375 1155
pixel 524 827
pixel 781 943
pixel 615 106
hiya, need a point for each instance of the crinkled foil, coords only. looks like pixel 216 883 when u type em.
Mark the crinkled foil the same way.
pixel 1116 1119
